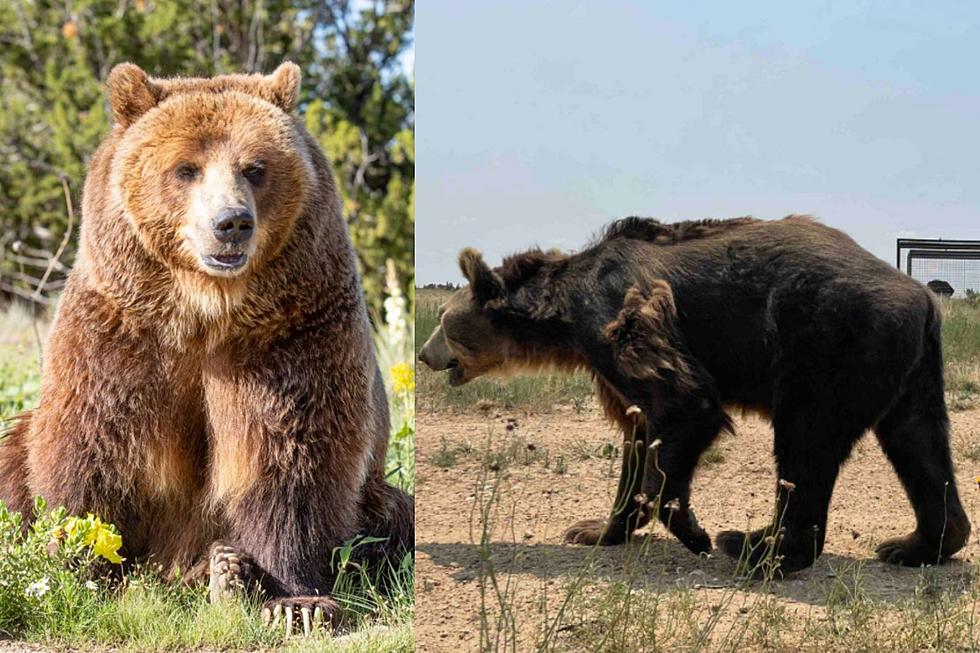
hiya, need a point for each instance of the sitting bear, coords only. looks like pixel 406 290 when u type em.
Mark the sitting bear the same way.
pixel 209 383
pixel 678 322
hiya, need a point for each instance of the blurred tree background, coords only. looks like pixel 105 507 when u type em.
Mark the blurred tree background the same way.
pixel 357 100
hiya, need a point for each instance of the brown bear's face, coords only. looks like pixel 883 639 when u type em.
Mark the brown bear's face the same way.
pixel 465 342
pixel 211 179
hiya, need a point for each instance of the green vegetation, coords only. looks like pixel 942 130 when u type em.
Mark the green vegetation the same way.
pixel 448 455
pixel 55 587
pixel 356 100
pixel 713 455
pixel 961 352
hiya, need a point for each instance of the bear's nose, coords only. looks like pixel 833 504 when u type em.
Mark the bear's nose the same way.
pixel 233 226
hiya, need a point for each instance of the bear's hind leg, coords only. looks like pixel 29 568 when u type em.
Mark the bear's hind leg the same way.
pixel 13 467
pixel 811 443
pixel 389 513
pixel 915 437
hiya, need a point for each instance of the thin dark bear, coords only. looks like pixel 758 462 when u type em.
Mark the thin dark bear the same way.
pixel 789 319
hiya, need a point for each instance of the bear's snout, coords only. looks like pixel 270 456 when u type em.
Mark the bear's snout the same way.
pixel 233 226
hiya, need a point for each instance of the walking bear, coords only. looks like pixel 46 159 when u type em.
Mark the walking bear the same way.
pixel 209 382
pixel 790 319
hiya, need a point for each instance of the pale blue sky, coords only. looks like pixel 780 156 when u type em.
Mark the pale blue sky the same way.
pixel 538 122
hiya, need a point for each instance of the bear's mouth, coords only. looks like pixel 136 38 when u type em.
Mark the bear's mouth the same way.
pixel 224 262
pixel 456 374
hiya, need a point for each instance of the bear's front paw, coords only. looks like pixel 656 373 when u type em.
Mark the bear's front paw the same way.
pixel 312 611
pixel 696 540
pixel 591 532
pixel 761 553
pixel 910 550
pixel 226 573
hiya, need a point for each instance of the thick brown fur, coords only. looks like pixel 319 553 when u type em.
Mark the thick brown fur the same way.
pixel 188 407
pixel 643 336
pixel 679 323
pixel 13 469
pixel 669 233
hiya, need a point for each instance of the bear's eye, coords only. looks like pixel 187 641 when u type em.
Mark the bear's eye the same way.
pixel 254 172
pixel 186 171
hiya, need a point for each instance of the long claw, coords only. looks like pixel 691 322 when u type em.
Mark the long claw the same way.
pixel 289 620
pixel 318 616
pixel 306 620
pixel 266 616
pixel 276 615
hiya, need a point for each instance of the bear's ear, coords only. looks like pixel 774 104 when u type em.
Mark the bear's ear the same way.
pixel 131 93
pixel 282 87
pixel 485 284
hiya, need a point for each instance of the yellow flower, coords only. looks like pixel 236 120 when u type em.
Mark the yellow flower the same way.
pixel 107 544
pixel 93 532
pixel 403 377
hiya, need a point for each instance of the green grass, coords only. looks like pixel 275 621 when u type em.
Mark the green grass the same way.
pixel 142 613
pixel 713 455
pixel 148 615
pixel 961 352
pixel 449 455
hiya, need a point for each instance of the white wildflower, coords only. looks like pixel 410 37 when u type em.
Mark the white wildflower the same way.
pixel 396 307
pixel 38 588
pixel 91 585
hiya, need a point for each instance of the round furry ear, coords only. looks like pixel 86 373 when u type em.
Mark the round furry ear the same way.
pixel 131 93
pixel 485 284
pixel 282 86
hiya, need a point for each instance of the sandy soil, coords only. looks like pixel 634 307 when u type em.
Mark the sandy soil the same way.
pixel 868 506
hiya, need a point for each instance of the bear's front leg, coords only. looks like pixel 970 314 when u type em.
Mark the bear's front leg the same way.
pixel 233 572
pixel 291 445
pixel 118 431
pixel 641 356
pixel 626 516
pixel 676 442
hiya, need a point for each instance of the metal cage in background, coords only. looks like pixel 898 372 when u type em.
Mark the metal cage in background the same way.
pixel 946 264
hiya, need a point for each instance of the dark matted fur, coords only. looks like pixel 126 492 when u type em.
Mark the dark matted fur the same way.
pixel 791 319
pixel 188 408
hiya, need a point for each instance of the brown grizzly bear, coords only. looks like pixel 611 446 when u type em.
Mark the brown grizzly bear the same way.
pixel 791 319
pixel 209 382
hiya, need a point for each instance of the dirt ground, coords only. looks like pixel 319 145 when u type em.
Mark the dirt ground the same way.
pixel 570 478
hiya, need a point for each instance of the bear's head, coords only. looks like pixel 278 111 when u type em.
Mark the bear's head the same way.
pixel 211 173
pixel 465 342
pixel 472 339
